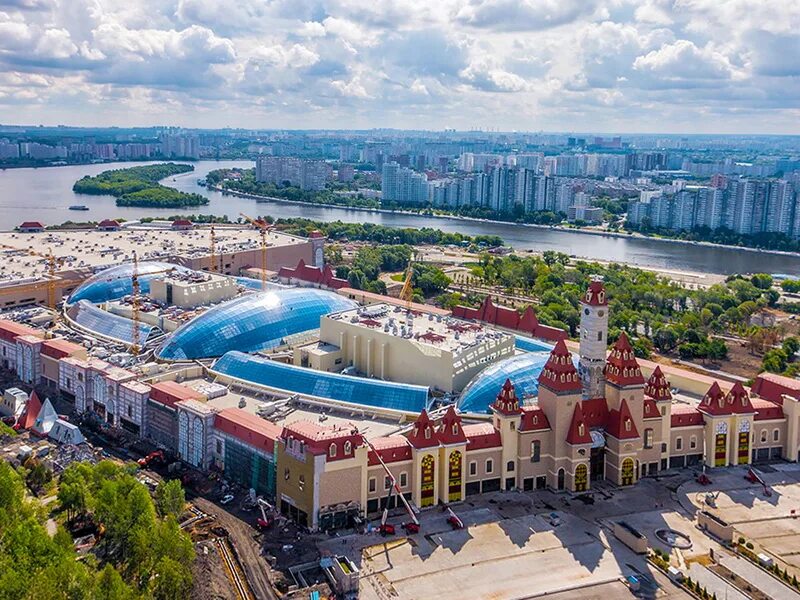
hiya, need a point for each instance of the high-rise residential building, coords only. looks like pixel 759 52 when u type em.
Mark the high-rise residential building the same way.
pixel 400 184
pixel 179 145
pixel 296 172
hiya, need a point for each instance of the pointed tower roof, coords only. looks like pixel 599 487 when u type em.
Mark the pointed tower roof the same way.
pixel 578 429
pixel 738 400
pixel 714 402
pixel 424 434
pixel 32 410
pixel 596 294
pixel 450 430
pixel 622 368
pixel 657 386
pixel 621 424
pixel 45 419
pixel 559 374
pixel 507 403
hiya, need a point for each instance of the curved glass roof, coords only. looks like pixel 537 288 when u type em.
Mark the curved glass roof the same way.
pixel 523 371
pixel 345 388
pixel 115 282
pixel 527 344
pixel 107 325
pixel 252 322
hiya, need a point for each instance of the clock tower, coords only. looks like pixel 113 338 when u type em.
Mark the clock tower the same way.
pixel 594 339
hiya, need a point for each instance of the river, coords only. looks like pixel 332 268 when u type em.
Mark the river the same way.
pixel 45 195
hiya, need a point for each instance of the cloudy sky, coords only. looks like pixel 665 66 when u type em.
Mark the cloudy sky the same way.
pixel 557 65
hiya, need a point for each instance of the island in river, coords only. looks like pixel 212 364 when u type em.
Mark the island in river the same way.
pixel 139 186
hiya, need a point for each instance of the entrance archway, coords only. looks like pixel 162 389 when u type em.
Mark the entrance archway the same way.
pixel 561 479
pixel 628 471
pixel 581 478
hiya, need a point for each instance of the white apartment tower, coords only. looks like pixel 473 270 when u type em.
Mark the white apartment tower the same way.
pixel 594 340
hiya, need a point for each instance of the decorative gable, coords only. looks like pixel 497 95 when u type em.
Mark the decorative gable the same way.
pixel 507 402
pixel 559 373
pixel 657 386
pixel 578 433
pixel 622 369
pixel 423 434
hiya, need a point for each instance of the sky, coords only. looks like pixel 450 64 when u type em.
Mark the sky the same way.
pixel 684 66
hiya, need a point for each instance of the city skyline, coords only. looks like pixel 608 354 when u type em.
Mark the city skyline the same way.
pixel 658 67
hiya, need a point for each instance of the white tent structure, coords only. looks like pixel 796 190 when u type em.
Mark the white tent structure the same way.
pixel 45 420
pixel 64 432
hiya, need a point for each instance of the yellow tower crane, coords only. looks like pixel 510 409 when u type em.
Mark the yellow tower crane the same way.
pixel 262 228
pixel 407 291
pixel 213 250
pixel 52 265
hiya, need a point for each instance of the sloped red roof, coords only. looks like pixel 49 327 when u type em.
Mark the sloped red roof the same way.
pixel 481 436
pixel 392 448
pixel 621 424
pixel 424 434
pixel 714 402
pixel 650 409
pixel 684 415
pixel 58 348
pixel 509 318
pixel 169 393
pixel 31 225
pixel 595 411
pixel 559 374
pixel 450 430
pixel 11 330
pixel 622 369
pixel 533 419
pixel 766 410
pixel 578 433
pixel 248 428
pixel 506 402
pixel 772 387
pixel 32 409
pixel 319 439
pixel 657 386
pixel 738 400
pixel 596 294
pixel 108 223
pixel 182 223
pixel 304 272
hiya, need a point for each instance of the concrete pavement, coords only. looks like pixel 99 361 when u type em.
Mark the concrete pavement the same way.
pixel 758 578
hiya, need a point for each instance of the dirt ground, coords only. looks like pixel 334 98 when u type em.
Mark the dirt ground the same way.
pixel 210 579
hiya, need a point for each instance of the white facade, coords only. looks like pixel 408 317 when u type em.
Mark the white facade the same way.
pixel 593 344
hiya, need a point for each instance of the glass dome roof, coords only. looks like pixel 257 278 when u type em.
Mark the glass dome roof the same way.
pixel 523 371
pixel 252 322
pixel 115 282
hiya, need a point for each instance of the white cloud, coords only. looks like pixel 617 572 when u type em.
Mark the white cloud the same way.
pixel 683 60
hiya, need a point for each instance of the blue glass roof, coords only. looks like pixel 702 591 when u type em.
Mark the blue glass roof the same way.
pixel 527 344
pixel 255 284
pixel 115 282
pixel 252 322
pixel 105 324
pixel 346 388
pixel 523 371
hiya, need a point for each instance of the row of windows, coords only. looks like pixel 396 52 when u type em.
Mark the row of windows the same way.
pixel 776 437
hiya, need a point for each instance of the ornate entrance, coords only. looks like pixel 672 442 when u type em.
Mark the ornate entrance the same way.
pixel 426 479
pixel 581 479
pixel 743 455
pixel 628 471
pixel 454 477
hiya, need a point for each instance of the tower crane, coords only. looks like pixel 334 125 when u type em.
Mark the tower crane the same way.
pixel 407 291
pixel 262 227
pixel 213 249
pixel 52 264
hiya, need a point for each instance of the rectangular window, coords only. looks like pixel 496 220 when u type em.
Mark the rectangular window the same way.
pixel 693 442
pixel 678 443
pixel 219 446
pixel 403 479
pixel 536 451
pixel 387 482
pixel 372 485
pixel 489 466
pixel 648 438
pixel 776 435
pixel 473 468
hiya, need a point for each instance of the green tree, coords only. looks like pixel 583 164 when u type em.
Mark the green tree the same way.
pixel 774 361
pixel 762 281
pixel 171 580
pixel 665 339
pixel 170 498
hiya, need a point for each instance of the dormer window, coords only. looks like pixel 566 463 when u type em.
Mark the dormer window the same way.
pixel 601 296
pixel 332 450
pixel 455 428
pixel 348 447
pixel 581 429
pixel 535 419
pixel 627 424
pixel 427 433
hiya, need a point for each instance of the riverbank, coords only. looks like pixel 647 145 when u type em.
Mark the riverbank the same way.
pixel 581 230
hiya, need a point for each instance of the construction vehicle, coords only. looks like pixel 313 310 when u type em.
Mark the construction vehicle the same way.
pixel 411 526
pixel 454 520
pixel 154 457
pixel 753 476
pixel 262 227
pixel 711 499
pixel 703 479
pixel 265 521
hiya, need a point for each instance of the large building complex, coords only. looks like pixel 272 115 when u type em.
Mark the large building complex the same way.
pixel 297 172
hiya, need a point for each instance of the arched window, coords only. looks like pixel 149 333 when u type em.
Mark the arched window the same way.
pixel 763 436
pixel 348 447
pixel 427 432
pixel 332 450
pixel 510 466
pixel 455 428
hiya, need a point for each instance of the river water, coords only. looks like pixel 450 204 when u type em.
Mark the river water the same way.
pixel 46 194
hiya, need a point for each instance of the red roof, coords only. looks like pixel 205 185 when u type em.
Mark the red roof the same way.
pixel 321 440
pixel 32 409
pixel 596 294
pixel 657 386
pixel 717 403
pixel 559 374
pixel 507 402
pixel 713 403
pixel 31 225
pixel 595 411
pixel 621 424
pixel 579 429
pixel 247 427
pixel 59 348
pixel 533 419
pixel 738 400
pixel 424 434
pixel 108 223
pixel 315 234
pixel 509 318
pixel 684 415
pixel 450 430
pixel 481 436
pixel 773 387
pixel 11 330
pixel 621 366
pixel 650 409
pixel 170 392
pixel 304 272
pixel 766 410
pixel 392 448
pixel 182 223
